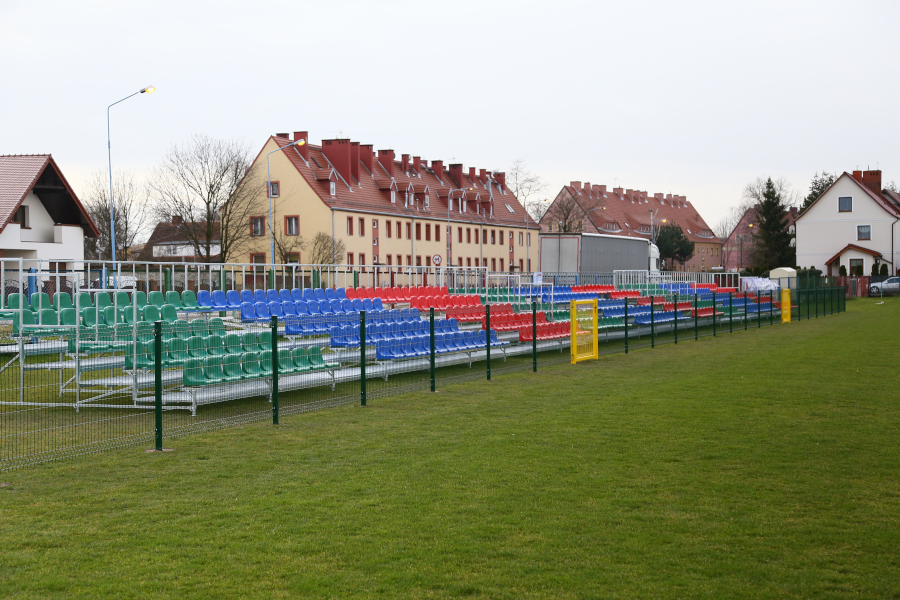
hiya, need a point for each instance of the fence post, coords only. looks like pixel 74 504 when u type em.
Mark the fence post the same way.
pixel 675 321
pixel 653 324
pixel 167 280
pixel 746 313
pixel 432 347
pixel 696 317
pixel 731 311
pixel 157 383
pixel 274 326
pixel 487 327
pixel 362 357
pixel 714 314
pixel 222 284
pixel 807 302
pixel 771 305
pixel 758 315
pixel 625 320
pixel 534 336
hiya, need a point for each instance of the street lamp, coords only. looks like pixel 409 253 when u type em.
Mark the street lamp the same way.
pixel 741 238
pixel 449 203
pixel 299 142
pixel 112 222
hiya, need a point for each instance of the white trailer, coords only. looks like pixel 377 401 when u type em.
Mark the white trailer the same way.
pixel 596 253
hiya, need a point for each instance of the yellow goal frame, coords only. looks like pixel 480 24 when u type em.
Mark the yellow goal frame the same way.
pixel 583 344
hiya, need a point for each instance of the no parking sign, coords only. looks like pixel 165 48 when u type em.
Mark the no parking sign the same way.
pixel 436 259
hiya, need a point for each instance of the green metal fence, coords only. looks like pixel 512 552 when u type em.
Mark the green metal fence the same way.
pixel 109 372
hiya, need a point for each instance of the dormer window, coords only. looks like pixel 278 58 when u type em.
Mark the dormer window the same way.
pixel 393 197
pixel 332 187
pixel 427 201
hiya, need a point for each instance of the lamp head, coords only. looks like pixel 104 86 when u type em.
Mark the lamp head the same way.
pixel 299 142
pixel 148 90
pixel 751 225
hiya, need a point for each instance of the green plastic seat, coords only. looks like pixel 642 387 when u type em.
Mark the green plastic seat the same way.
pixel 199 328
pixel 231 364
pixel 301 362
pixel 265 362
pixel 151 314
pixel 168 313
pixel 233 344
pixel 250 364
pixel 62 300
pixel 102 300
pixel 89 317
pixel 26 317
pixel 39 301
pixel 314 355
pixel 84 300
pixel 156 299
pixel 177 351
pixel 140 300
pixel 264 339
pixel 142 353
pixel 181 329
pixel 192 374
pixel 285 363
pixel 111 316
pixel 16 301
pixel 215 345
pixel 131 314
pixel 104 339
pixel 217 327
pixel 174 298
pixel 249 342
pixel 68 317
pixel 122 300
pixel 197 347
pixel 124 335
pixel 212 368
pixel 189 300
pixel 144 332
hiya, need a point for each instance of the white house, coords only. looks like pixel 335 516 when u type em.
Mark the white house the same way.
pixel 41 218
pixel 852 224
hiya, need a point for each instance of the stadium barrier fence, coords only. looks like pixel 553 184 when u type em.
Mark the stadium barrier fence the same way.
pixel 94 376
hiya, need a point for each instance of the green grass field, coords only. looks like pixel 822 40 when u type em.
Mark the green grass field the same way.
pixel 757 464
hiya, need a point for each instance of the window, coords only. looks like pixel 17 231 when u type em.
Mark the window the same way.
pixel 258 258
pixel 362 227
pixel 332 189
pixel 362 259
pixel 459 234
pixel 468 262
pixel 459 260
pixel 399 260
pixel 374 241
pixel 374 223
pixel 428 232
pixel 864 232
pixel 845 204
pixel 419 261
pixel 468 235
pixel 476 236
pixel 375 260
pixel 387 227
pixel 21 217
pixel 418 231
pixel 510 237
pixel 408 230
pixel 349 258
pixel 501 265
pixel 257 226
pixel 393 196
pixel 493 264
pixel 292 258
pixel 437 233
pixel 408 259
pixel 427 200
pixel 390 260
pixel 493 236
pixel 291 225
pixel 529 243
pixel 349 225
pixel 275 189
pixel 521 265
pixel 529 265
pixel 399 233
pixel 856 266
pixel 521 238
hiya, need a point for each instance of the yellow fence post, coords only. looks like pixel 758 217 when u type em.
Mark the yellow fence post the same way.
pixel 786 306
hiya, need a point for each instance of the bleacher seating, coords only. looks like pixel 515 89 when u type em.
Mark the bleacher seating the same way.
pixel 546 331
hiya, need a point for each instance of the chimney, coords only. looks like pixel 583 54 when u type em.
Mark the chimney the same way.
pixel 618 191
pixel 857 175
pixel 630 194
pixel 576 185
pixel 417 164
pixel 501 180
pixel 354 160
pixel 456 171
pixel 872 180
pixel 283 135
pixel 304 149
pixel 438 167
pixel 596 190
pixel 404 162
pixel 177 220
pixel 386 158
pixel 338 153
pixel 587 187
pixel 367 156
pixel 483 177
pixel 669 198
pixel 602 189
pixel 472 174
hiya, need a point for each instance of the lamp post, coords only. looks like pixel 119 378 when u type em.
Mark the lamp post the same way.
pixel 299 142
pixel 741 238
pixel 112 221
pixel 449 203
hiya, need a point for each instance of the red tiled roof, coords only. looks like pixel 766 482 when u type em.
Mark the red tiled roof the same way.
pixel 851 247
pixel 18 175
pixel 887 204
pixel 631 212
pixel 371 193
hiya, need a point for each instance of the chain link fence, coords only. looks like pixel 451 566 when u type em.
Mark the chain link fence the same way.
pixel 94 369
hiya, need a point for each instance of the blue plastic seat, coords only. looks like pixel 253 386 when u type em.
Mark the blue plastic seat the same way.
pixel 337 337
pixel 292 325
pixel 248 313
pixel 259 296
pixel 272 296
pixel 262 311
pixel 247 296
pixel 204 299
pixel 275 310
pixel 289 309
pixel 347 306
pixel 285 296
pixel 336 307
pixel 309 295
pixel 320 294
pixel 301 307
pixel 439 346
pixel 377 304
pixel 357 305
pixel 367 305
pixel 325 307
pixel 219 300
pixel 341 293
pixel 297 294
pixel 330 294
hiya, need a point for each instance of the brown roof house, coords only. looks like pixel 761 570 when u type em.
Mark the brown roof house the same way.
pixel 41 218
pixel 177 241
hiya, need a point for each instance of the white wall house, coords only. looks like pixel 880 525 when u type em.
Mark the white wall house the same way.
pixel 852 223
pixel 41 218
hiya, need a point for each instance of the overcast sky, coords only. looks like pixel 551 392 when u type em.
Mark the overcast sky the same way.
pixel 692 98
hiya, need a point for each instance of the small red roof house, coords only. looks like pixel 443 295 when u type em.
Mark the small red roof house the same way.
pixel 41 218
pixel 174 242
pixel 623 212
pixel 853 223
pixel 737 249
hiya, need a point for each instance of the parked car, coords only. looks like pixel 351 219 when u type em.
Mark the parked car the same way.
pixel 890 285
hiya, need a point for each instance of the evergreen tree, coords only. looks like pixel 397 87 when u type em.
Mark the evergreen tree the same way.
pixel 817 187
pixel 772 242
pixel 673 244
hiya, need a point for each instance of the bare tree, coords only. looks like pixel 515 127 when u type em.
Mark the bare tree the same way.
pixel 326 250
pixel 755 190
pixel 204 182
pixel 130 208
pixel 569 213
pixel 524 184
pixel 286 245
pixel 726 225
